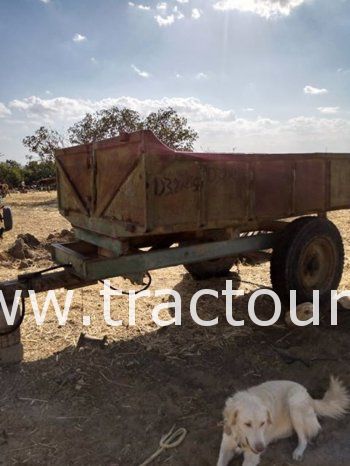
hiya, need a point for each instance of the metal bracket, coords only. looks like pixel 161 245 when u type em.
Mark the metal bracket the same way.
pixel 105 242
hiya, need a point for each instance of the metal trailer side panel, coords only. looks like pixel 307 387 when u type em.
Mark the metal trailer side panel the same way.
pixel 134 186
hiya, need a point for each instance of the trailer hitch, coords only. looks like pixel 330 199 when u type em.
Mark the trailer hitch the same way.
pixel 24 277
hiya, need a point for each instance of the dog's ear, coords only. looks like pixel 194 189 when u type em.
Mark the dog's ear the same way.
pixel 234 417
pixel 269 418
pixel 230 418
pixel 227 428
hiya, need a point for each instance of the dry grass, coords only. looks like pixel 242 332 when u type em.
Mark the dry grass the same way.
pixel 109 407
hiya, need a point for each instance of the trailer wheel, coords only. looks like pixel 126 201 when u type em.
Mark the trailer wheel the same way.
pixel 309 256
pixel 211 268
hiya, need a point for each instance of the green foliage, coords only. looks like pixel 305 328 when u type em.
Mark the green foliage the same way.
pixel 104 124
pixel 35 171
pixel 171 129
pixel 43 143
pixel 11 173
pixel 166 123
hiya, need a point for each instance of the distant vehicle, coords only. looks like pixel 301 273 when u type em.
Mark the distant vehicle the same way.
pixel 47 184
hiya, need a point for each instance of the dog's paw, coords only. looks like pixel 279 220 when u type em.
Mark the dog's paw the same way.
pixel 298 454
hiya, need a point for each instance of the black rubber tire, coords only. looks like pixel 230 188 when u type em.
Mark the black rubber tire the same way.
pixel 309 255
pixel 7 216
pixel 211 268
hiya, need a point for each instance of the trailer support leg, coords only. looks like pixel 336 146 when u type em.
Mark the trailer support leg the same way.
pixel 11 348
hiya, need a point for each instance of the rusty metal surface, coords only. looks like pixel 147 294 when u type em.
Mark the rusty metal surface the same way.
pixel 133 186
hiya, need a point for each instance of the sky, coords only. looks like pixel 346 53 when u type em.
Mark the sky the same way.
pixel 249 75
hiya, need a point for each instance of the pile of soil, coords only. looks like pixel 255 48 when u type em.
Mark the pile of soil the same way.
pixel 29 250
pixel 64 236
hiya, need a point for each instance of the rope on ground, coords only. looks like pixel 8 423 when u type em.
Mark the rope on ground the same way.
pixel 170 440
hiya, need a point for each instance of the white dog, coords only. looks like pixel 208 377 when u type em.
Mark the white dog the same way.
pixel 255 417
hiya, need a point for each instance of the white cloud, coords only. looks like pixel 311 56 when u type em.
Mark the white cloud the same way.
pixel 343 70
pixel 182 1
pixel 249 109
pixel 219 129
pixel 165 21
pixel 314 90
pixel 45 1
pixel 79 37
pixel 68 109
pixel 196 13
pixel 140 6
pixel 328 110
pixel 264 8
pixel 169 19
pixel 60 108
pixel 4 111
pixel 298 134
pixel 142 74
pixel 178 76
pixel 201 76
pixel 178 13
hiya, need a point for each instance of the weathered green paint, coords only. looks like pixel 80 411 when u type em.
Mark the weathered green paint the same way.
pixel 90 267
pixel 102 241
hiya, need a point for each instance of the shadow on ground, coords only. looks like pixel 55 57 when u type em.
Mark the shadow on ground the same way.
pixel 110 406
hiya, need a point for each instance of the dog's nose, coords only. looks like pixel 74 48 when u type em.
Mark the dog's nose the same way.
pixel 259 447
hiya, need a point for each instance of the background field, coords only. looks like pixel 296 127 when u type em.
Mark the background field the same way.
pixel 69 406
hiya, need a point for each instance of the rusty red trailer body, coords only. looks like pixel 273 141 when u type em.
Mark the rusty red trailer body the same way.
pixel 134 185
pixel 193 209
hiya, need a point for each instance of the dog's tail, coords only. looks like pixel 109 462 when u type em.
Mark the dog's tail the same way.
pixel 335 401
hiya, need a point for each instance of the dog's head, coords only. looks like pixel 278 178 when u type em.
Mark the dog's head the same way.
pixel 247 419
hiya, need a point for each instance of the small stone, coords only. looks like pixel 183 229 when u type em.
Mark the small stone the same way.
pixel 345 302
pixel 304 312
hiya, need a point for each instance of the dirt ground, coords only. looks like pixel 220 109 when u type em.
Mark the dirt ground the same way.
pixel 69 406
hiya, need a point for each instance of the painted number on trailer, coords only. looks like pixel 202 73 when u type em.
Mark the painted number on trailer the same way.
pixel 164 186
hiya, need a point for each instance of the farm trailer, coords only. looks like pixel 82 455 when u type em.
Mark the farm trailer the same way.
pixel 136 205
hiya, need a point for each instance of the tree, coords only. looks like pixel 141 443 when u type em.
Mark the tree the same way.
pixel 120 120
pixel 104 124
pixel 11 173
pixel 86 130
pixel 44 142
pixel 35 171
pixel 166 124
pixel 171 129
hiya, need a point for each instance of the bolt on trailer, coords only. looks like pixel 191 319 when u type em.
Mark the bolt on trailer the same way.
pixel 136 205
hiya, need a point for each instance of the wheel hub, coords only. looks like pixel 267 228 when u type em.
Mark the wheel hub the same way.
pixel 317 264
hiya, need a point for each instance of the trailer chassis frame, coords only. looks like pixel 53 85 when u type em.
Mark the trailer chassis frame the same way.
pixel 84 265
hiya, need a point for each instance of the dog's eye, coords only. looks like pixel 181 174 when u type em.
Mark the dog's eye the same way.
pixel 263 423
pixel 248 424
